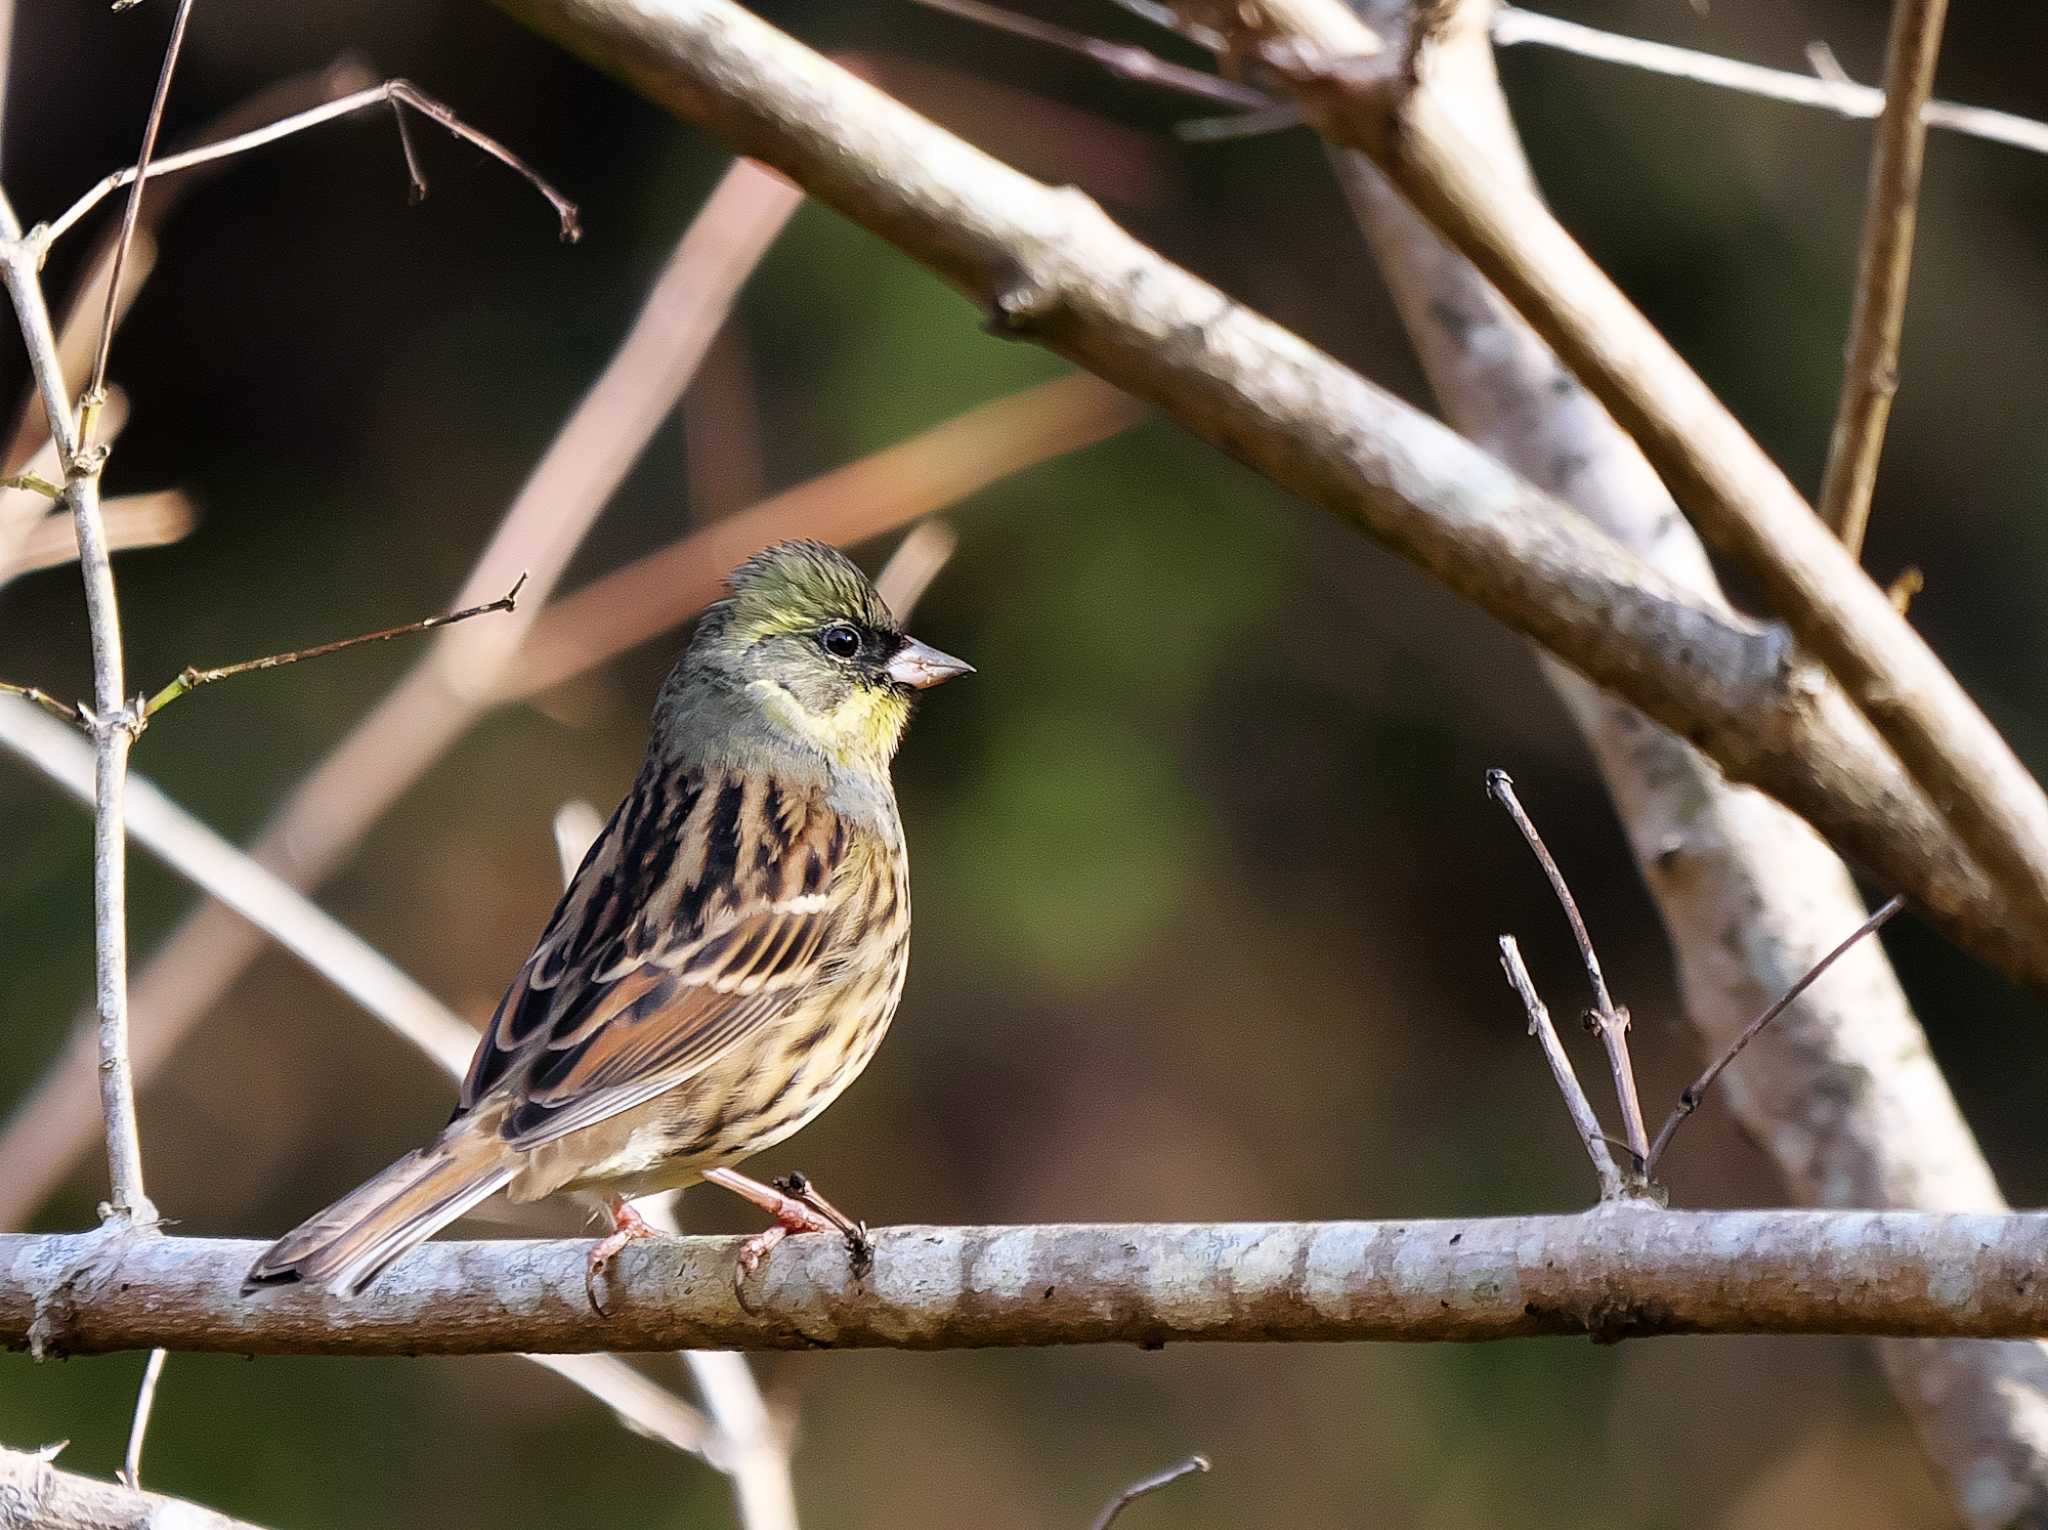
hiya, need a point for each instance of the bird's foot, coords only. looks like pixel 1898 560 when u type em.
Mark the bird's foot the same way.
pixel 859 1249
pixel 628 1226
pixel 796 1206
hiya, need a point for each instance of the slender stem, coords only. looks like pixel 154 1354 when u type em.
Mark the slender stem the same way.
pixel 44 700
pixel 138 1428
pixel 1192 1466
pixel 95 390
pixel 1584 1120
pixel 1884 267
pixel 394 91
pixel 190 679
pixel 112 724
pixel 1609 1022
pixel 1690 1097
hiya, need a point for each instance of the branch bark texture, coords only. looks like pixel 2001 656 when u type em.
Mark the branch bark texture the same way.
pixel 1611 1274
pixel 1049 265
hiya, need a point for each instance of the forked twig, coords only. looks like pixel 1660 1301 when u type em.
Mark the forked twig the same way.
pixel 190 679
pixel 1608 1022
pixel 1689 1098
pixel 1191 1467
pixel 1584 1120
pixel 393 91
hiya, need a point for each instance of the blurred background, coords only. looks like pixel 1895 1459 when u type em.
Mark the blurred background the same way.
pixel 1206 883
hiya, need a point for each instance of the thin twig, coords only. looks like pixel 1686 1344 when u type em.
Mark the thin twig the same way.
pixel 190 679
pixel 394 91
pixel 1883 268
pixel 1608 1022
pixel 1125 61
pixel 111 721
pixel 138 1427
pixel 1689 1098
pixel 1192 1466
pixel 1843 97
pixel 95 389
pixel 45 700
pixel 1584 1120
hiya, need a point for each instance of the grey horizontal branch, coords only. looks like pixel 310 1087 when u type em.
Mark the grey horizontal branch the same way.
pixel 1612 1274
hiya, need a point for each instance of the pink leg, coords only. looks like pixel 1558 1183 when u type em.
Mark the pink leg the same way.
pixel 796 1207
pixel 628 1226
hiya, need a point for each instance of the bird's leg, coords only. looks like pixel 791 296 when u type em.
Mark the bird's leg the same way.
pixel 628 1226
pixel 796 1207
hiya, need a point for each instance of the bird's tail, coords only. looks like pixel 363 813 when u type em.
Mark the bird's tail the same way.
pixel 349 1244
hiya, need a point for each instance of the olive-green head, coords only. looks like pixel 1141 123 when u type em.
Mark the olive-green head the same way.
pixel 803 639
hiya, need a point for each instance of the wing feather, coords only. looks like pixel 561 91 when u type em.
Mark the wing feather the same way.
pixel 702 913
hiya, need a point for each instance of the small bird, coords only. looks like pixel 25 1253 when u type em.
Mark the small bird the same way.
pixel 724 962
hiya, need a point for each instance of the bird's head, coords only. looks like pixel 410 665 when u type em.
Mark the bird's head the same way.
pixel 806 644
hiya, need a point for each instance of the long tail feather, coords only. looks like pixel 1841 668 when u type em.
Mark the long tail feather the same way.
pixel 349 1244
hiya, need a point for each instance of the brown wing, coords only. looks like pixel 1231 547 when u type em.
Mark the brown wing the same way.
pixel 702 912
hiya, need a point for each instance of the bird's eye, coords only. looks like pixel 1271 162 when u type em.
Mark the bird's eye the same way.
pixel 840 641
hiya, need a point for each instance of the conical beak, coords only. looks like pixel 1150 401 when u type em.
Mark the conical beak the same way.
pixel 920 666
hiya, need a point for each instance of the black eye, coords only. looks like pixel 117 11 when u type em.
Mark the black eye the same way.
pixel 840 641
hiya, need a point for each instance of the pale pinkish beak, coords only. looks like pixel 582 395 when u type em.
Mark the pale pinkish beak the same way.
pixel 921 667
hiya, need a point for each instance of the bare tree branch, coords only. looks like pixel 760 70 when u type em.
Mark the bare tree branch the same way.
pixel 1359 98
pixel 1050 266
pixel 1609 1273
pixel 35 1495
pixel 1883 268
